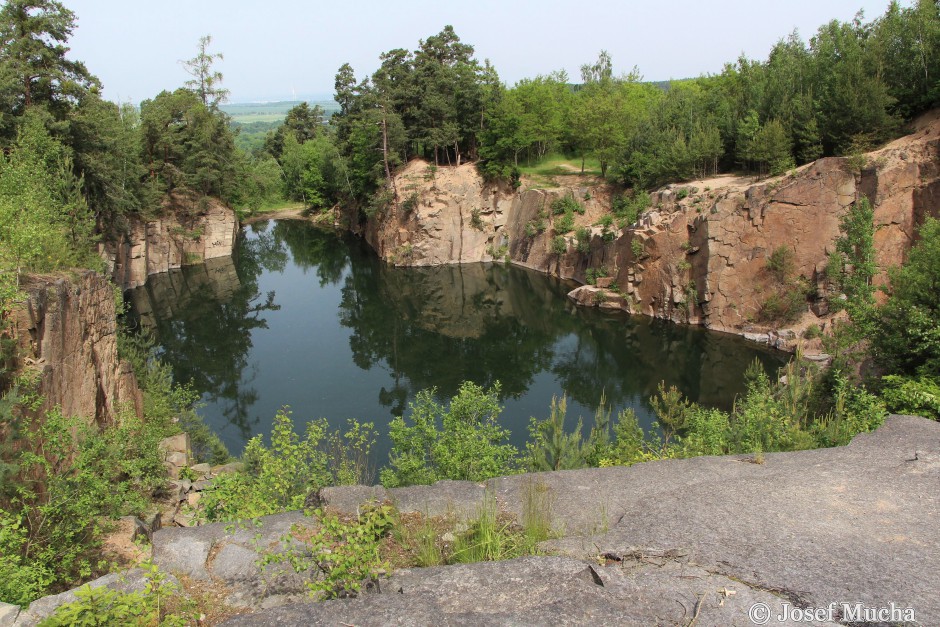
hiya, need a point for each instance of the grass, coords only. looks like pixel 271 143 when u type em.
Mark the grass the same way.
pixel 542 172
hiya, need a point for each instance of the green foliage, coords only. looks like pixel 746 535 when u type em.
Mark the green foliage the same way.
pixel 411 203
pixel 559 245
pixel 169 408
pixel 784 306
pixel 915 397
pixel 583 237
pixel 592 274
pixel 780 264
pixel 314 172
pixel 279 478
pixel 905 335
pixel 492 538
pixel 636 247
pixel 45 223
pixel 462 441
pixel 565 224
pixel 33 64
pixel 567 205
pixel 69 477
pixel 805 412
pixel 105 606
pixel 855 264
pixel 550 447
pixel 187 145
pixel 788 300
pixel 345 554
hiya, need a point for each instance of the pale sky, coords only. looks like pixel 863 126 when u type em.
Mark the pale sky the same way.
pixel 281 48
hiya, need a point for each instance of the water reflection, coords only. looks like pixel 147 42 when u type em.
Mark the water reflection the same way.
pixel 363 338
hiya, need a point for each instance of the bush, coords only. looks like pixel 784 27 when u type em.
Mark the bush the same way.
pixel 627 208
pixel 462 441
pixel 565 224
pixel 410 204
pixel 559 245
pixel 583 237
pixel 104 606
pixel 784 306
pixel 550 447
pixel 566 204
pixel 780 264
pixel 279 478
pixel 592 274
pixel 906 332
pixel 636 247
pixel 69 478
pixel 912 396
pixel 346 554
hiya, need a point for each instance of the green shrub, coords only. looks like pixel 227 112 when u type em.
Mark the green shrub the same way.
pixel 492 538
pixel 462 441
pixel 592 274
pixel 905 334
pixel 583 237
pixel 346 554
pixel 566 204
pixel 812 332
pixel 784 306
pixel 915 397
pixel 476 221
pixel 636 247
pixel 69 478
pixel 780 263
pixel 559 245
pixel 565 223
pixel 279 478
pixel 410 204
pixel 104 606
pixel 551 447
pixel 627 208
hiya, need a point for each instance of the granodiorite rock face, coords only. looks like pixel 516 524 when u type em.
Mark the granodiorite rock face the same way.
pixel 698 254
pixel 67 329
pixel 182 236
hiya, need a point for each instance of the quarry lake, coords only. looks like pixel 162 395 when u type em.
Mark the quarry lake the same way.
pixel 312 319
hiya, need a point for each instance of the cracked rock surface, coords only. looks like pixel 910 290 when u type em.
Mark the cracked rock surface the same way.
pixel 656 542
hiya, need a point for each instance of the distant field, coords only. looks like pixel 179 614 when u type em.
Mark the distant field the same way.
pixel 268 112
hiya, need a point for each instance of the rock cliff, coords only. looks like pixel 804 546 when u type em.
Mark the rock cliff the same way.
pixel 698 254
pixel 187 233
pixel 67 331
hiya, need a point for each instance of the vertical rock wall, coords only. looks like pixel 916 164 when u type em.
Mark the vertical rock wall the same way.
pixel 181 237
pixel 67 330
pixel 698 254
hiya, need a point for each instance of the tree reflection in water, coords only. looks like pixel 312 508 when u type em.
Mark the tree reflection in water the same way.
pixel 424 327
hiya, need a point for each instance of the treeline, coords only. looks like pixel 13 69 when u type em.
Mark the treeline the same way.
pixel 844 91
pixel 74 166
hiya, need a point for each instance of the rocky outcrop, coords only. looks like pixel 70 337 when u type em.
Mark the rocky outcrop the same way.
pixel 698 254
pixel 692 541
pixel 188 233
pixel 67 331
pixel 706 537
pixel 450 215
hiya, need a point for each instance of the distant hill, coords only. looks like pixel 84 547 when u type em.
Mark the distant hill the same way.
pixel 245 113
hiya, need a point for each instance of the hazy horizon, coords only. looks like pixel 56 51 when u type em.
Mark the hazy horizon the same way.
pixel 291 50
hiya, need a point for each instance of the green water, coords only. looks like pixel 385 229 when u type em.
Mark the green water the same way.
pixel 313 320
